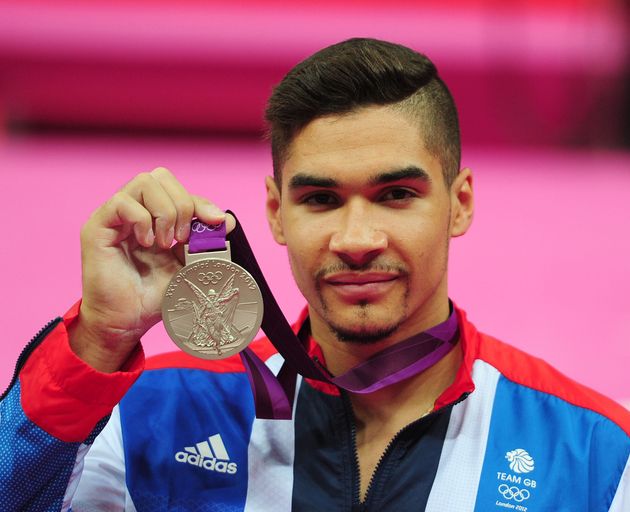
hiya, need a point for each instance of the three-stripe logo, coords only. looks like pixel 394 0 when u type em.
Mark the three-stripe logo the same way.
pixel 210 454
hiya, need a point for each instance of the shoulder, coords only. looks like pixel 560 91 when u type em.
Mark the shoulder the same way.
pixel 534 373
pixel 543 382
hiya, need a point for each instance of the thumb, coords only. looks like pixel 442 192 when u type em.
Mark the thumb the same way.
pixel 211 214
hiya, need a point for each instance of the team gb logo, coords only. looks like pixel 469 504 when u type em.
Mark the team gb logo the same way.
pixel 520 461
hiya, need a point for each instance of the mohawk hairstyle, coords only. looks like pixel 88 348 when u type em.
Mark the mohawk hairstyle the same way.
pixel 358 73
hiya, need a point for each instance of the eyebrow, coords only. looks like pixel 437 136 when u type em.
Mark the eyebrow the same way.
pixel 408 173
pixel 411 172
pixel 309 180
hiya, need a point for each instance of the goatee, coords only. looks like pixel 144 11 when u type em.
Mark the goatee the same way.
pixel 364 335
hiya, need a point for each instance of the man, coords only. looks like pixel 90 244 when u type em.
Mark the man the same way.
pixel 366 195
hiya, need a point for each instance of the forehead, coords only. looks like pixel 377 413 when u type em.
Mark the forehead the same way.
pixel 358 145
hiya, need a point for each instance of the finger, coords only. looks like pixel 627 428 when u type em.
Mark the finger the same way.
pixel 211 214
pixel 179 252
pixel 182 201
pixel 149 192
pixel 124 211
pixel 230 223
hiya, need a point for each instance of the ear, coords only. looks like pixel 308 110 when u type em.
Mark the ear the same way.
pixel 462 203
pixel 273 210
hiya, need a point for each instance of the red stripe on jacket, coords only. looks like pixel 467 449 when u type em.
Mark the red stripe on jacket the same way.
pixel 62 394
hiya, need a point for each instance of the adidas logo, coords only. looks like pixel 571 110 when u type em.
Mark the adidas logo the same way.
pixel 210 455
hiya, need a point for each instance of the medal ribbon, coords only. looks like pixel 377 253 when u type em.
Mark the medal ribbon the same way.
pixel 273 395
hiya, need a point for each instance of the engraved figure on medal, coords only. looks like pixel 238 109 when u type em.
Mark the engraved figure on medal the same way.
pixel 213 315
pixel 212 308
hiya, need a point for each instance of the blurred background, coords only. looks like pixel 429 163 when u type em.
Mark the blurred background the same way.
pixel 91 93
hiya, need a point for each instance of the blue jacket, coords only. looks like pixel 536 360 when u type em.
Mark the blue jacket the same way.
pixel 511 433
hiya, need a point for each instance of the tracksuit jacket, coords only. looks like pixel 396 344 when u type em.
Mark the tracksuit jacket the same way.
pixel 511 433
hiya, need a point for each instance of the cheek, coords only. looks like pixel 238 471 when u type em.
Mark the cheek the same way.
pixel 303 272
pixel 301 265
pixel 427 247
pixel 306 243
pixel 307 252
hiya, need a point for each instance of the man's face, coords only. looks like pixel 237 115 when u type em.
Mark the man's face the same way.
pixel 366 218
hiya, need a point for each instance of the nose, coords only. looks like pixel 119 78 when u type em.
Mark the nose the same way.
pixel 358 236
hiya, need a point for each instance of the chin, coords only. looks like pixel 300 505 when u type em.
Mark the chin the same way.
pixel 367 333
pixel 362 323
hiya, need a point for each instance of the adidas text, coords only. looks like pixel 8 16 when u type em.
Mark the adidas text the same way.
pixel 211 464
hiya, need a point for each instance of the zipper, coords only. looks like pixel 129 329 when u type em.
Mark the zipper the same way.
pixel 383 456
pixel 353 452
pixel 353 435
pixel 28 350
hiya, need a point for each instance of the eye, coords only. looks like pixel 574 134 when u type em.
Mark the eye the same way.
pixel 398 194
pixel 319 199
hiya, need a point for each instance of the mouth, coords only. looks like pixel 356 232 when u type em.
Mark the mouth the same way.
pixel 361 286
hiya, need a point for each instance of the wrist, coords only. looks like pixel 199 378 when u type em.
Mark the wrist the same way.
pixel 99 348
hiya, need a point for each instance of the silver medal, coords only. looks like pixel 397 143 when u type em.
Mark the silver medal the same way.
pixel 212 307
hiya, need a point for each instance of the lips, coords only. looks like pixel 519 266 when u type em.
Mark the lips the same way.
pixel 361 286
pixel 354 278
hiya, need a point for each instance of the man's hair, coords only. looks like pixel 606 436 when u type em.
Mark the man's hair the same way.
pixel 358 73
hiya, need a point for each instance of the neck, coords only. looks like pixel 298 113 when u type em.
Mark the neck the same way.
pixel 395 406
pixel 401 403
pixel 341 356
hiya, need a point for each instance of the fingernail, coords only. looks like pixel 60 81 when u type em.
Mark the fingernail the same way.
pixel 150 238
pixel 170 235
pixel 214 212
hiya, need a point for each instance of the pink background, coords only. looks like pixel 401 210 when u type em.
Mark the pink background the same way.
pixel 544 266
pixel 92 93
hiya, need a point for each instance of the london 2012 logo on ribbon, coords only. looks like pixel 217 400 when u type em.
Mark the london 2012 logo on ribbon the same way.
pixel 200 227
pixel 515 488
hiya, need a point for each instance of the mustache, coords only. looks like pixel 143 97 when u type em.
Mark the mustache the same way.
pixel 371 266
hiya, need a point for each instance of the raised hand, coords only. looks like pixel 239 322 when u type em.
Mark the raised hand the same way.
pixel 127 262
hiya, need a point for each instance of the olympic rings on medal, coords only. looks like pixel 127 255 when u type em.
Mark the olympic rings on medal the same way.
pixel 514 493
pixel 200 227
pixel 210 277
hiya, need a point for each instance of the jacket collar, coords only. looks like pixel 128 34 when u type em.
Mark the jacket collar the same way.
pixel 461 386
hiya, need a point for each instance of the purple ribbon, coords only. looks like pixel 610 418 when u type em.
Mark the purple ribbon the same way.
pixel 401 361
pixel 273 395
pixel 204 237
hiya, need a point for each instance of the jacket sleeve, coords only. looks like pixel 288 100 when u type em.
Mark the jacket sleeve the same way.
pixel 50 415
